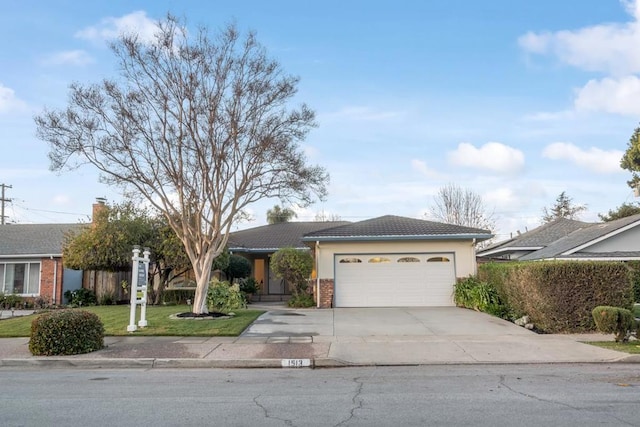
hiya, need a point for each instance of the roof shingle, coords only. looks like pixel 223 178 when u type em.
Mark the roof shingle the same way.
pixel 34 239
pixel 398 227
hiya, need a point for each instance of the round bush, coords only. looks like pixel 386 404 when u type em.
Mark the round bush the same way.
pixel 614 320
pixel 65 332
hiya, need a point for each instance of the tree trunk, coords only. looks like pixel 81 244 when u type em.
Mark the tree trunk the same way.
pixel 200 300
pixel 202 271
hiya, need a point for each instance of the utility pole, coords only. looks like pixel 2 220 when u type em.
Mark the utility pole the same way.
pixel 2 202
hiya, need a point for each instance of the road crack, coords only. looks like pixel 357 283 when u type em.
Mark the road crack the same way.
pixel 267 415
pixel 555 402
pixel 356 400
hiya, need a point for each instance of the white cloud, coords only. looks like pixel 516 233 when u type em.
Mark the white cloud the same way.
pixel 9 101
pixel 492 156
pixel 111 27
pixel 619 96
pixel 608 47
pixel 421 167
pixel 593 159
pixel 69 57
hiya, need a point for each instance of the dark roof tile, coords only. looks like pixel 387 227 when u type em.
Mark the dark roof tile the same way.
pixel 33 239
pixel 397 226
pixel 275 236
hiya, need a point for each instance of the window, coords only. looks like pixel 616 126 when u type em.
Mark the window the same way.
pixel 22 278
pixel 350 260
pixel 409 259
pixel 378 260
pixel 438 259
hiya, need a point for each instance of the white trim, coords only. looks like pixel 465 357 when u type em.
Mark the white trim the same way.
pixel 619 258
pixel 26 256
pixel 601 238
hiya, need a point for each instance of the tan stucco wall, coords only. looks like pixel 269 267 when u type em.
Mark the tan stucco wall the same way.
pixel 464 252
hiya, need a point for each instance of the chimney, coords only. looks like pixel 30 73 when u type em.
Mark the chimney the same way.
pixel 97 207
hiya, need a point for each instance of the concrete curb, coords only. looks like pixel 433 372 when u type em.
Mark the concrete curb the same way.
pixel 319 363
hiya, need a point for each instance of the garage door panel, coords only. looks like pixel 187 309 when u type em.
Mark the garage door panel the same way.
pixel 395 283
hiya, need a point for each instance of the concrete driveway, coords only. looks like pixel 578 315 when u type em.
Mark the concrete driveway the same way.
pixel 364 322
pixel 392 336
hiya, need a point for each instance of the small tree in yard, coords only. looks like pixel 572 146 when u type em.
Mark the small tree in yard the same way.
pixel 106 244
pixel 294 266
pixel 199 128
pixel 238 268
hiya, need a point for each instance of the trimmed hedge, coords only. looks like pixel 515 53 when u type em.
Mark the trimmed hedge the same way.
pixel 178 296
pixel 65 332
pixel 634 267
pixel 614 320
pixel 559 296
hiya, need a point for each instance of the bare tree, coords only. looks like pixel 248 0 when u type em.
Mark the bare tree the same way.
pixel 563 208
pixel 460 206
pixel 200 127
pixel 323 216
pixel 277 215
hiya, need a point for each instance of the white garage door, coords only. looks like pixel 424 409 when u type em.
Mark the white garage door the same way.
pixel 394 280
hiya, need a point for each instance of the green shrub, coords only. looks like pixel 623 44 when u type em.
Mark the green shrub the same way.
pixel 178 296
pixel 301 300
pixel 472 293
pixel 8 301
pixel 249 286
pixel 239 267
pixel 559 296
pixel 614 320
pixel 294 266
pixel 65 332
pixel 81 297
pixel 108 298
pixel 223 297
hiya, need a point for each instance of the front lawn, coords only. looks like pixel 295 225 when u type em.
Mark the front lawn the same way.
pixel 632 347
pixel 116 318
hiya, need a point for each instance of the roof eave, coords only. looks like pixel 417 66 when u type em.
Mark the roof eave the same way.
pixel 509 249
pixel 31 256
pixel 261 250
pixel 478 237
pixel 601 238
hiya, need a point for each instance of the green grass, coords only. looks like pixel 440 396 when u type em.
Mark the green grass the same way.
pixel 632 347
pixel 636 310
pixel 116 318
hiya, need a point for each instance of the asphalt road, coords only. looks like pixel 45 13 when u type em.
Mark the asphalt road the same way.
pixel 490 395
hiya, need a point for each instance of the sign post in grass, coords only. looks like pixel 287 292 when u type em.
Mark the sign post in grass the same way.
pixel 139 275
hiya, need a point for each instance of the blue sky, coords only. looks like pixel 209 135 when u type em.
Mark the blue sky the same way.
pixel 515 100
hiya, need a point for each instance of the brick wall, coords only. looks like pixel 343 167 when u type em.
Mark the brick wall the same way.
pixel 326 293
pixel 47 275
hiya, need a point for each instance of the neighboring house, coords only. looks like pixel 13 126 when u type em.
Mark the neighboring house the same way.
pixel 531 241
pixel 617 240
pixel 31 261
pixel 259 243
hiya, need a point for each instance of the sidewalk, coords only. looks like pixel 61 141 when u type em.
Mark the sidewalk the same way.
pixel 333 338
